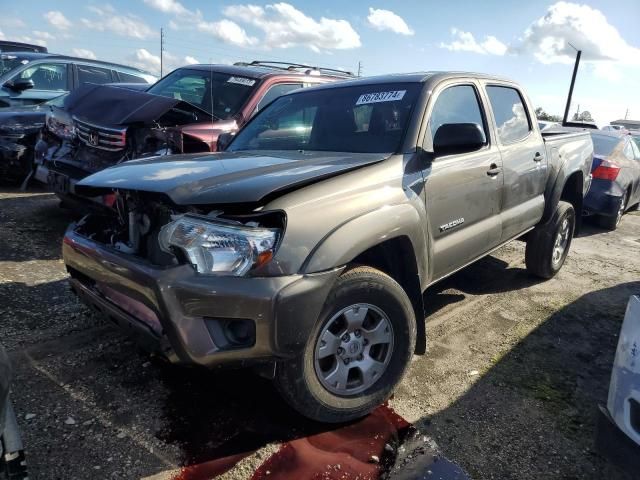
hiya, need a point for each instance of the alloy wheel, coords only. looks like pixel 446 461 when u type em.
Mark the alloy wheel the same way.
pixel 353 349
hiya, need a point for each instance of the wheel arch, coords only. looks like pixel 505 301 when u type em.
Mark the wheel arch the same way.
pixel 390 239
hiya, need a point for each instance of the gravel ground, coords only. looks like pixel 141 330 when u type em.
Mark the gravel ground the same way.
pixel 509 388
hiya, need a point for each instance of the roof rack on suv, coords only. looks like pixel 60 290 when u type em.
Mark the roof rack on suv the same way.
pixel 296 67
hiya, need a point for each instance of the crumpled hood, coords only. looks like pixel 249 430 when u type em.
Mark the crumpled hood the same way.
pixel 116 106
pixel 224 178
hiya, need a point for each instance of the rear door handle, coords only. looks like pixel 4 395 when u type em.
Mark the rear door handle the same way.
pixel 537 157
pixel 493 170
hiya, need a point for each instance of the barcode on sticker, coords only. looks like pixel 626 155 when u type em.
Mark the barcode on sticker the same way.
pixel 249 82
pixel 380 97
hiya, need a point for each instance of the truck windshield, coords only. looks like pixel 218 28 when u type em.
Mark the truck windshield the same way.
pixel 359 119
pixel 219 94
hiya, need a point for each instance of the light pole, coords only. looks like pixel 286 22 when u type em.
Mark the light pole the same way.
pixel 573 82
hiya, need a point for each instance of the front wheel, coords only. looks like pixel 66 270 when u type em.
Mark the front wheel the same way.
pixel 357 352
pixel 548 244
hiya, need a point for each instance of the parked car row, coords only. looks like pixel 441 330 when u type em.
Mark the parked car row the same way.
pixel 99 126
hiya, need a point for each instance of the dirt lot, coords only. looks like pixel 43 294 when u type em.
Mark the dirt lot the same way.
pixel 508 390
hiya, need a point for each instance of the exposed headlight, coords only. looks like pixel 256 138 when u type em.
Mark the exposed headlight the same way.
pixel 60 124
pixel 219 249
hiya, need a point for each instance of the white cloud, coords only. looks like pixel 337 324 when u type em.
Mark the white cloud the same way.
pixel 57 20
pixel 167 6
pixel 285 26
pixel 144 59
pixel 466 42
pixel 586 28
pixel 12 22
pixel 228 32
pixel 174 7
pixel 123 25
pixel 83 53
pixel 387 20
pixel 2 35
pixel 43 35
pixel 28 39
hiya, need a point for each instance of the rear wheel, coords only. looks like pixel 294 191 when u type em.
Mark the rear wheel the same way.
pixel 548 245
pixel 356 354
pixel 611 223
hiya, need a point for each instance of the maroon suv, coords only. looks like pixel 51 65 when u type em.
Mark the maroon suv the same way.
pixel 184 112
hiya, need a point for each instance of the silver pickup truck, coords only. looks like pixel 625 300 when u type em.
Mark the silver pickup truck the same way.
pixel 304 248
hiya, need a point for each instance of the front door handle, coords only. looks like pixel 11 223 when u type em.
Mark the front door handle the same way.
pixel 493 170
pixel 537 157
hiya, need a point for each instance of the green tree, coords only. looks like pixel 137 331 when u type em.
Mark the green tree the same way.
pixel 584 116
pixel 542 115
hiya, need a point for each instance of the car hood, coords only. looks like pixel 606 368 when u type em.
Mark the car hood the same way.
pixel 22 119
pixel 224 178
pixel 116 106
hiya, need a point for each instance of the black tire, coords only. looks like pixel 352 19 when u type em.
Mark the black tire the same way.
pixel 611 222
pixel 297 380
pixel 541 242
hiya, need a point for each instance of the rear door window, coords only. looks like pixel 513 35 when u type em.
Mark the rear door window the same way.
pixel 91 74
pixel 512 120
pixel 457 104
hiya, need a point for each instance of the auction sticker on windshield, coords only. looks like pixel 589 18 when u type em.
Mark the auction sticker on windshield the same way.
pixel 381 97
pixel 242 81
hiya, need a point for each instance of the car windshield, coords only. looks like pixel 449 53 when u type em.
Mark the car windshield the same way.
pixel 220 94
pixel 10 61
pixel 359 119
pixel 603 145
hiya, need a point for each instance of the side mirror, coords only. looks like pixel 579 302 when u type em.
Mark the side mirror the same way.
pixel 452 138
pixel 224 139
pixel 20 85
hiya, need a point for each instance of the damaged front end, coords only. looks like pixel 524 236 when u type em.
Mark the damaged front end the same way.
pixel 150 227
pixel 87 135
pixel 166 274
pixel 18 134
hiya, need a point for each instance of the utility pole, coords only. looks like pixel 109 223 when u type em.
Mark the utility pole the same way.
pixel 359 68
pixel 161 48
pixel 626 114
pixel 573 82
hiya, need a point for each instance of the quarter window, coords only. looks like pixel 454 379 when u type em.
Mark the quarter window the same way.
pixel 128 78
pixel 510 113
pixel 457 104
pixel 46 76
pixel 90 74
pixel 277 91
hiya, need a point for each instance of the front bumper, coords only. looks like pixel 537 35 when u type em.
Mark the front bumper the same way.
pixel 603 198
pixel 178 313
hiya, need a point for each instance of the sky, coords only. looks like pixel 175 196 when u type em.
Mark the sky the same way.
pixel 530 42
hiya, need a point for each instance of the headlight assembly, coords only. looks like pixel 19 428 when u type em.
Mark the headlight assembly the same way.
pixel 60 124
pixel 219 249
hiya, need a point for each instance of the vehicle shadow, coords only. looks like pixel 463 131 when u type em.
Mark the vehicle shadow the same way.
pixel 533 413
pixel 486 276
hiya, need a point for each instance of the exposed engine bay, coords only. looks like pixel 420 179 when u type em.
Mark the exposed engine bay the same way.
pixel 130 222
